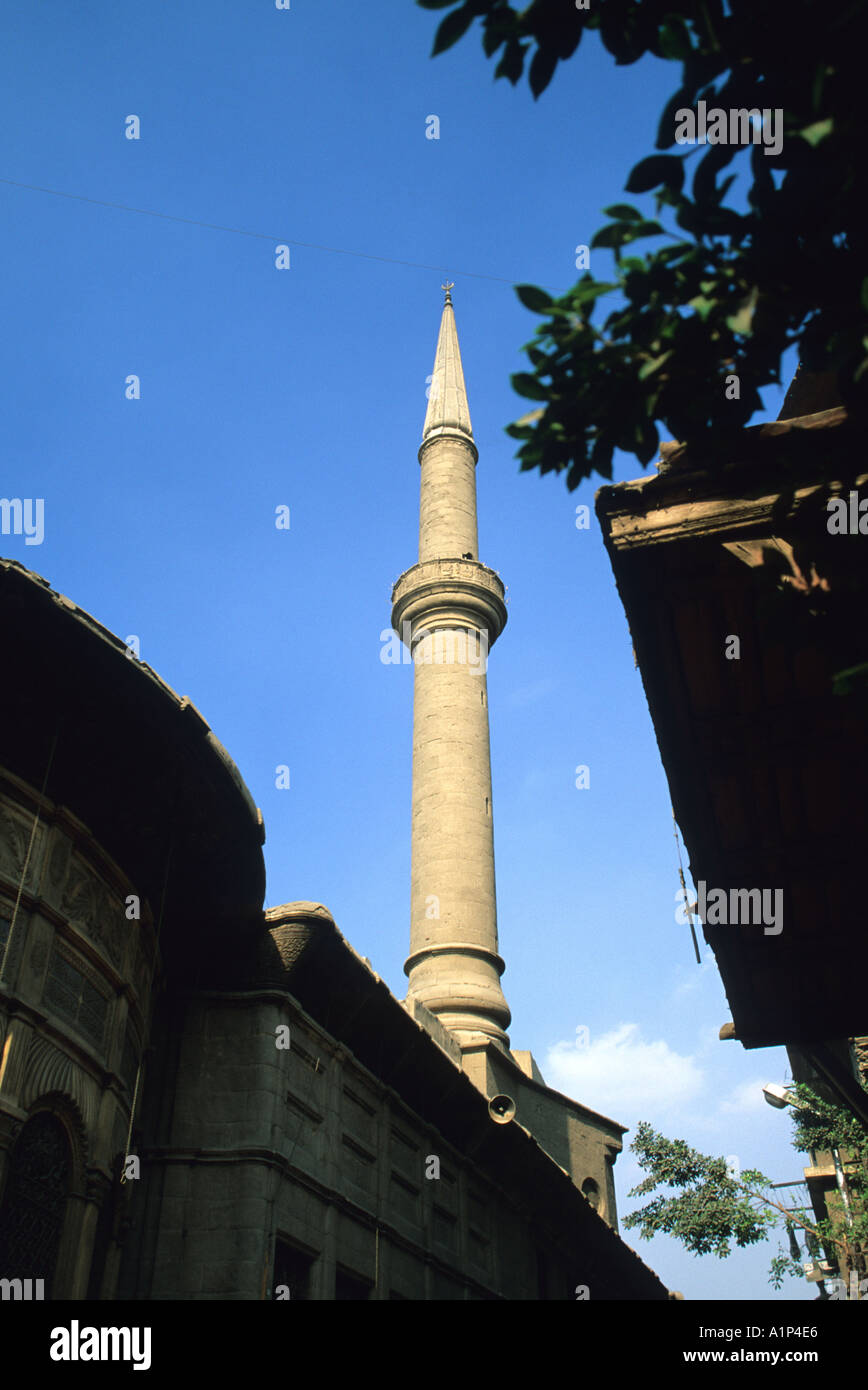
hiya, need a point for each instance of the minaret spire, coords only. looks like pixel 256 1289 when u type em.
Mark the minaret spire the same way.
pixel 449 609
pixel 447 400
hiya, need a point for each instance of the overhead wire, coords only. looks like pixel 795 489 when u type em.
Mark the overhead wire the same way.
pixel 262 236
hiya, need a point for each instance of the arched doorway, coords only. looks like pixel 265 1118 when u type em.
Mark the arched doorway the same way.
pixel 34 1200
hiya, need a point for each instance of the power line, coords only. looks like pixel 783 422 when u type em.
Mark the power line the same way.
pixel 261 236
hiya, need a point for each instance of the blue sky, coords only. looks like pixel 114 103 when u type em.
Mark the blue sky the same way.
pixel 306 388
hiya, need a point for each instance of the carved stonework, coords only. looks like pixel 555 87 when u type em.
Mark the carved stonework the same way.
pixel 39 956
pixel 97 1186
pixel 57 868
pixel 50 1071
pixel 13 844
pixel 94 910
pixel 33 944
pixel 15 830
pixel 13 955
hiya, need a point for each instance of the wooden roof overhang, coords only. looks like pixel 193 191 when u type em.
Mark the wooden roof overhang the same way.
pixel 767 766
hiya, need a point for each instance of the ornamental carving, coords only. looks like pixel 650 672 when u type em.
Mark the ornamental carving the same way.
pixel 58 864
pixel 38 955
pixel 93 909
pixel 49 1072
pixel 15 831
pixel 10 955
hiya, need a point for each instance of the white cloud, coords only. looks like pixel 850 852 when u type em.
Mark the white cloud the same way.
pixel 622 1075
pixel 745 1099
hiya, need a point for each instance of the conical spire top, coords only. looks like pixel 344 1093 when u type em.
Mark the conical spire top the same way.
pixel 447 400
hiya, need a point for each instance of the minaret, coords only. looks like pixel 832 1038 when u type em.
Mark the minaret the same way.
pixel 449 609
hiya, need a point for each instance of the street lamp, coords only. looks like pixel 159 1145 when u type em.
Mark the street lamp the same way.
pixel 778 1096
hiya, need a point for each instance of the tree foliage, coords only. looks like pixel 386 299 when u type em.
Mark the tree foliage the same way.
pixel 819 1127
pixel 714 1207
pixel 732 291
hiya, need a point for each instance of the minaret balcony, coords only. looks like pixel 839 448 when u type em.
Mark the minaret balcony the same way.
pixel 448 593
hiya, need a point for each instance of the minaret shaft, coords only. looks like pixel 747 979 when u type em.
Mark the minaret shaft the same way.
pixel 450 609
pixel 447 499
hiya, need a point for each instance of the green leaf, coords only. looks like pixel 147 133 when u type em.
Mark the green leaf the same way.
pixel 590 289
pixel 451 29
pixel 512 62
pixel 667 169
pixel 648 367
pixel 578 472
pixel 703 306
pixel 649 228
pixel 672 253
pixel 492 38
pixel 861 369
pixel 533 298
pixel 686 217
pixel 818 131
pixel 621 233
pixel 545 60
pixel 741 320
pixel 601 456
pixel 666 127
pixel 433 4
pixel 674 38
pixel 623 212
pixel 705 188
pixel 607 238
pixel 526 385
pixel 646 442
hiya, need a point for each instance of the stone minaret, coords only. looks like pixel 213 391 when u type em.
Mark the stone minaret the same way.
pixel 449 609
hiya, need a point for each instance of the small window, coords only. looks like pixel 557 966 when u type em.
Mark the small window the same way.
pixel 292 1271
pixel 592 1192
pixel 350 1287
